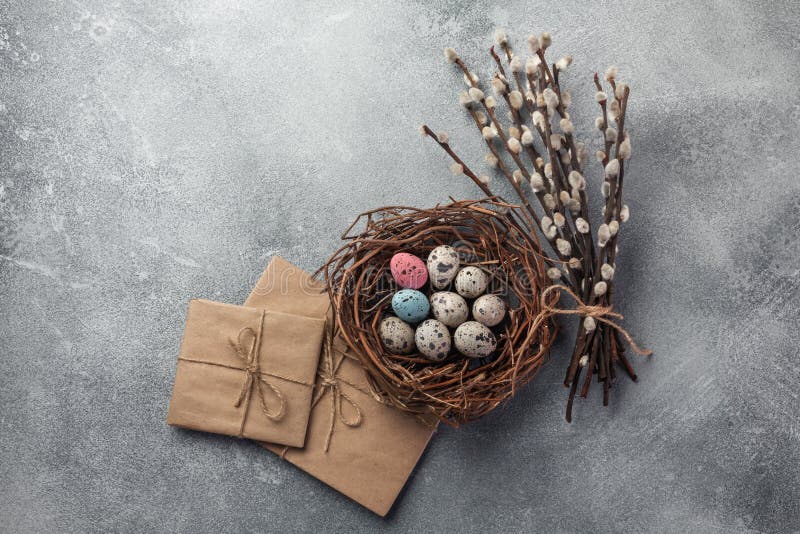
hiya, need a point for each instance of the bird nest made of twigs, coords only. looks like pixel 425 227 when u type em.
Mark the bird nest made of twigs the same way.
pixel 486 234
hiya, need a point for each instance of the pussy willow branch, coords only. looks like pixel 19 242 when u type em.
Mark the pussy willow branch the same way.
pixel 442 140
pixel 605 347
pixel 476 95
pixel 538 105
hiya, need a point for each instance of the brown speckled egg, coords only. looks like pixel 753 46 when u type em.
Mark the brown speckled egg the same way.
pixel 449 308
pixel 442 266
pixel 433 340
pixel 471 282
pixel 474 340
pixel 397 336
pixel 489 310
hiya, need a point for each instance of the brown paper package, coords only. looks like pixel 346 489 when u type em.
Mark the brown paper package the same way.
pixel 246 372
pixel 355 444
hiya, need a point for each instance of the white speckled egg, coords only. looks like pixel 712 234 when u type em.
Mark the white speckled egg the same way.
pixel 433 340
pixel 442 266
pixel 471 282
pixel 474 340
pixel 397 336
pixel 449 308
pixel 488 310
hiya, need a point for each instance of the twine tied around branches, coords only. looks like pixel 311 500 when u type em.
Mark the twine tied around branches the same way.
pixel 603 314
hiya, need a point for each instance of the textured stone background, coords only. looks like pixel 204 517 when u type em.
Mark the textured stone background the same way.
pixel 157 151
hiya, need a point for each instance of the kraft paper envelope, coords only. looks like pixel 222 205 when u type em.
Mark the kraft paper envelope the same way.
pixel 246 372
pixel 355 443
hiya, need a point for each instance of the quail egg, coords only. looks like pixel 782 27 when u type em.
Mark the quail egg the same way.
pixel 449 308
pixel 433 340
pixel 488 310
pixel 442 266
pixel 474 340
pixel 408 270
pixel 471 282
pixel 410 305
pixel 397 336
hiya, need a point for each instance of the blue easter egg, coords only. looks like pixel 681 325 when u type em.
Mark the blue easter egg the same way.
pixel 410 305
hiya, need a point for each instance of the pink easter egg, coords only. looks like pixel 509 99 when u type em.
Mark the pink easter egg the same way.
pixel 408 270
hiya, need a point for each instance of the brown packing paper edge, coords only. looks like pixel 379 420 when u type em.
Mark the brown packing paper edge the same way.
pixel 245 372
pixel 370 461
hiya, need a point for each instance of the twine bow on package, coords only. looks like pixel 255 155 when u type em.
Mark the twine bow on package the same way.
pixel 246 372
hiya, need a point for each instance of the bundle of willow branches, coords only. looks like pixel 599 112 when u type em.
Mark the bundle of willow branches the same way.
pixel 536 151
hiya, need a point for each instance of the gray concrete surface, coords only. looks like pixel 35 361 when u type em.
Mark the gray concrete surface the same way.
pixel 157 151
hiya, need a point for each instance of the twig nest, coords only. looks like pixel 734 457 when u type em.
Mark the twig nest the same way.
pixel 443 265
pixel 502 357
pixel 449 308
pixel 397 336
pixel 489 310
pixel 408 270
pixel 433 340
pixel 410 305
pixel 471 282
pixel 474 340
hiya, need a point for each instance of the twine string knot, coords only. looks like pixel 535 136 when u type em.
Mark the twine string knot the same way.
pixel 603 314
pixel 247 346
pixel 330 381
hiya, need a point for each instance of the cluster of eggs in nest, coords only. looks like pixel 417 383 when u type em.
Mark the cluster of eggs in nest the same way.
pixel 454 292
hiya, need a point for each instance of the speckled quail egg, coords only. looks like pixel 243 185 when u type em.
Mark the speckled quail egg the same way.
pixel 449 308
pixel 474 340
pixel 433 340
pixel 471 282
pixel 408 270
pixel 410 305
pixel 488 310
pixel 442 266
pixel 397 336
